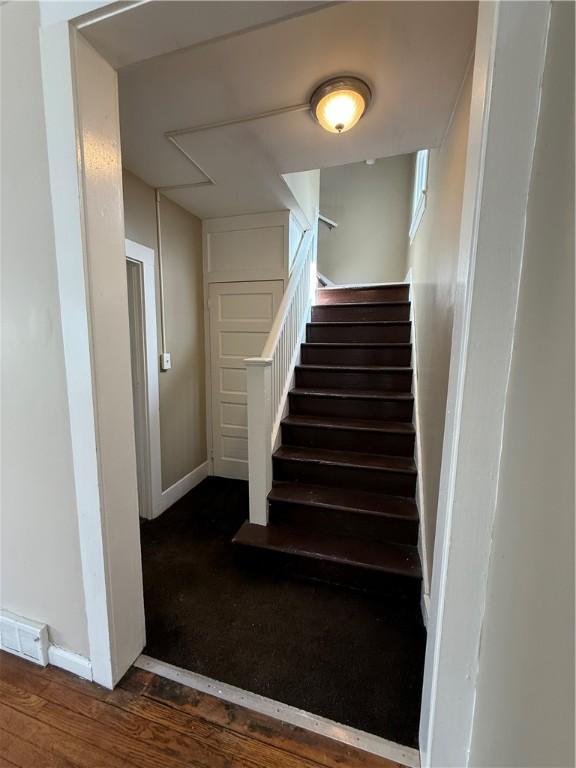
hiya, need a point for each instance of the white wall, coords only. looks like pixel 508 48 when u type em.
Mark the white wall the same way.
pixel 182 388
pixel 433 259
pixel 41 576
pixel 525 698
pixel 371 204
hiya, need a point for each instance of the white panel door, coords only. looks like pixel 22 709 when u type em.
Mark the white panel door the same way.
pixel 241 315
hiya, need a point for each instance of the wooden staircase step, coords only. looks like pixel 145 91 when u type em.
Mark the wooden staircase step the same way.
pixel 340 433
pixel 344 512
pixel 361 311
pixel 339 559
pixel 354 459
pixel 367 353
pixel 362 425
pixel 381 378
pixel 364 293
pixel 394 475
pixel 356 404
pixel 359 332
pixel 346 499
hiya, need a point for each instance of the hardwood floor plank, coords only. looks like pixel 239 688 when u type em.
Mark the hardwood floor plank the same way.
pixel 34 678
pixel 54 741
pixel 136 681
pixel 24 754
pixel 176 733
pixel 148 721
pixel 320 749
pixel 129 741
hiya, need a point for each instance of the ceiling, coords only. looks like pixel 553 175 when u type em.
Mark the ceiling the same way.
pixel 413 55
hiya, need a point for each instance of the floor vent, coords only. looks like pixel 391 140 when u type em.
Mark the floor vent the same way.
pixel 23 637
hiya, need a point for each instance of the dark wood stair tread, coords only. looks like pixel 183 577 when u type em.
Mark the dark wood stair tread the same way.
pixel 356 344
pixel 367 394
pixel 355 368
pixel 377 323
pixel 368 461
pixel 345 499
pixel 398 559
pixel 367 303
pixel 342 422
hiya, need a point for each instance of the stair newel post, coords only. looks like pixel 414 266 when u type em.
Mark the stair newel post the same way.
pixel 259 388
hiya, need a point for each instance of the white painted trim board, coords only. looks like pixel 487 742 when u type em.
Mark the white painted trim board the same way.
pixel 70 662
pixel 510 56
pixel 145 256
pixel 58 85
pixel 419 458
pixel 181 487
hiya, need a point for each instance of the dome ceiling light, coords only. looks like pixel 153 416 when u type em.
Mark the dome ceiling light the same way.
pixel 338 104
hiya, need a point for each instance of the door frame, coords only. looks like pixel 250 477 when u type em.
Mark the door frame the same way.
pixel 145 256
pixel 458 559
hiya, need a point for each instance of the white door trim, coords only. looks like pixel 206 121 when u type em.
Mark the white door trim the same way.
pixel 145 256
pixel 58 81
pixel 113 595
pixel 510 55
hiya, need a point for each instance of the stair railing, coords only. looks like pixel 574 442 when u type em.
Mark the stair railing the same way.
pixel 269 377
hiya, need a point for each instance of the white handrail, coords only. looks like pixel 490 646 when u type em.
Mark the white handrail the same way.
pixel 269 377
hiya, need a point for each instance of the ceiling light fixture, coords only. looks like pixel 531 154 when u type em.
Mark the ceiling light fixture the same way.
pixel 338 104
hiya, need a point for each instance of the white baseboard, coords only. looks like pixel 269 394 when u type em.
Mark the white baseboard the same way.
pixel 418 458
pixel 425 606
pixel 28 640
pixel 183 486
pixel 69 661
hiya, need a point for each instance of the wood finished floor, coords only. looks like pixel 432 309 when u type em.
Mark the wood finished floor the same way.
pixel 51 719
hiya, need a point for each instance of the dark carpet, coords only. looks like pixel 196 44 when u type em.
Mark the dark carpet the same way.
pixel 349 656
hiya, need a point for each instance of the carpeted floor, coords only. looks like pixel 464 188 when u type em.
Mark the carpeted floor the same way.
pixel 346 655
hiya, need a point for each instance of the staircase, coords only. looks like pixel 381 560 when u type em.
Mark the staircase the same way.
pixel 342 505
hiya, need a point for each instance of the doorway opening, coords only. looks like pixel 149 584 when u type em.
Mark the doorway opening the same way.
pixel 214 262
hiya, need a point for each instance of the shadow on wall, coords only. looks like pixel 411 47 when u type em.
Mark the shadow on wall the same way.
pixel 371 205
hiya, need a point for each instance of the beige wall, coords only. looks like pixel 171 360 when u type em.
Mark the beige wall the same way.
pixel 524 712
pixel 182 388
pixel 370 203
pixel 433 258
pixel 41 575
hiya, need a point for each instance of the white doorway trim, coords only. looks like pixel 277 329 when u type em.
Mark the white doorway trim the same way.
pixel 112 647
pixel 510 57
pixel 85 241
pixel 151 447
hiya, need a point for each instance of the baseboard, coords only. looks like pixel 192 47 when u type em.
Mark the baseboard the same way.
pixel 183 486
pixel 425 607
pixel 422 531
pixel 69 661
